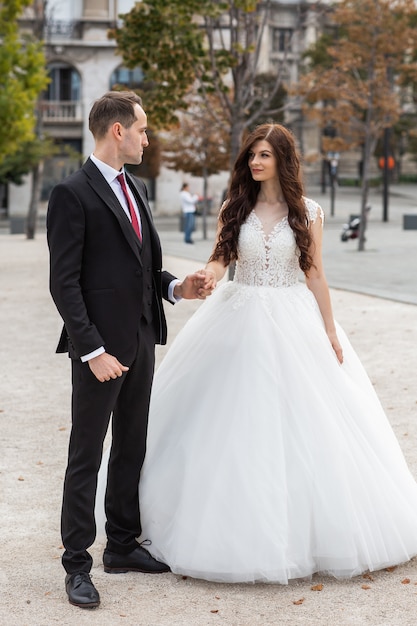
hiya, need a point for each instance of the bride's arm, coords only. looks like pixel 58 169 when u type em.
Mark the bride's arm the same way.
pixel 215 270
pixel 317 283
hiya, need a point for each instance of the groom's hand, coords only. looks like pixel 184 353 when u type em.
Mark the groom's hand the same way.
pixel 194 286
pixel 106 367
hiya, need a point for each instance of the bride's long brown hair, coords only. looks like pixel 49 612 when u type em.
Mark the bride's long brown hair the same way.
pixel 243 192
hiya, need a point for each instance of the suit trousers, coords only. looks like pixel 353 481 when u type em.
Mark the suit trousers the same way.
pixel 126 401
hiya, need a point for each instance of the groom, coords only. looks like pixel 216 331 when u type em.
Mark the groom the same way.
pixel 107 282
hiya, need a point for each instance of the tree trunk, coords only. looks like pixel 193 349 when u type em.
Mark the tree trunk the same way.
pixel 368 150
pixel 235 140
pixel 364 204
pixel 364 215
pixel 34 201
pixel 2 195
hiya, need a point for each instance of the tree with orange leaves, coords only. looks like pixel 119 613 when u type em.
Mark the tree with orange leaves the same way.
pixel 355 76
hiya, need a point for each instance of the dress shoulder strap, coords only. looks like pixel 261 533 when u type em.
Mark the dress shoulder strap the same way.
pixel 313 210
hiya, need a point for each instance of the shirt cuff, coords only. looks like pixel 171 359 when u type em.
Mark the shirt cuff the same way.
pixel 91 355
pixel 171 287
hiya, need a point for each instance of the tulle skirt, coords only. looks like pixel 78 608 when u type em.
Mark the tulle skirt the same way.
pixel 267 460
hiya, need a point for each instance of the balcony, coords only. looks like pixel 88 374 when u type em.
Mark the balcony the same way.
pixel 61 111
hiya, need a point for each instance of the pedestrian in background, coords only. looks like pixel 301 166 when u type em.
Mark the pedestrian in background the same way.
pixel 188 206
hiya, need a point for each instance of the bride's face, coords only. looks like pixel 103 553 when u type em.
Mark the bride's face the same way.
pixel 262 162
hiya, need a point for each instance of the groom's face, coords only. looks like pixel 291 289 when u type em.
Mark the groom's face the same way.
pixel 134 139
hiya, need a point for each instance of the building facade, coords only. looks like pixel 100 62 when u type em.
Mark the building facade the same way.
pixel 83 64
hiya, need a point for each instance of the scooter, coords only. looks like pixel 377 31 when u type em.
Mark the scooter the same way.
pixel 351 229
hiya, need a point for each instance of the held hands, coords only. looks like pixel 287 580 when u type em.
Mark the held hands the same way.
pixel 198 285
pixel 336 345
pixel 105 366
pixel 210 279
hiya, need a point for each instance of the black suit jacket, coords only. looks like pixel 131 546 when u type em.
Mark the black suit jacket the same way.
pixel 96 270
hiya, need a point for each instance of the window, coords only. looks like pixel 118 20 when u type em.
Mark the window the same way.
pixel 126 77
pixel 282 39
pixel 65 83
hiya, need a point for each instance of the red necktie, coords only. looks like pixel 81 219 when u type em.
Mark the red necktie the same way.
pixel 132 211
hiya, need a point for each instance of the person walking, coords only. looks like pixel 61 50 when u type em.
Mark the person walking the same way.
pixel 107 283
pixel 188 206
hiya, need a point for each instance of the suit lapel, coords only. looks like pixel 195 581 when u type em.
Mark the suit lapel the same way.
pixel 141 198
pixel 104 191
pixel 139 192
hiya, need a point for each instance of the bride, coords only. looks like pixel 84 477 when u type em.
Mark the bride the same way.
pixel 269 455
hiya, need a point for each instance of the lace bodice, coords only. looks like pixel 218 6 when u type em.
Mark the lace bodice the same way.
pixel 270 261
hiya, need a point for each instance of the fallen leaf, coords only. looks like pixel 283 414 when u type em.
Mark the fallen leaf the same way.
pixel 62 428
pixel 368 577
pixel 217 597
pixel 214 611
pixel 318 587
pixel 300 601
pixel 405 581
pixel 391 569
pixel 366 587
pixel 20 478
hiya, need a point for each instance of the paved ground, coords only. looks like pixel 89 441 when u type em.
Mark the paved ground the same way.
pixel 34 414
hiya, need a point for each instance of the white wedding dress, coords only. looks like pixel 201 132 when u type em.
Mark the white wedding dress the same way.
pixel 267 460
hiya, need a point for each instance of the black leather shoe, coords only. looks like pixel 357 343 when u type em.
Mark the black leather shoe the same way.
pixel 137 561
pixel 81 591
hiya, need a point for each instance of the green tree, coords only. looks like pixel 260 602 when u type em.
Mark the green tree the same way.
pixel 42 146
pixel 162 38
pixel 22 78
pixel 354 79
pixel 213 44
pixel 15 166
